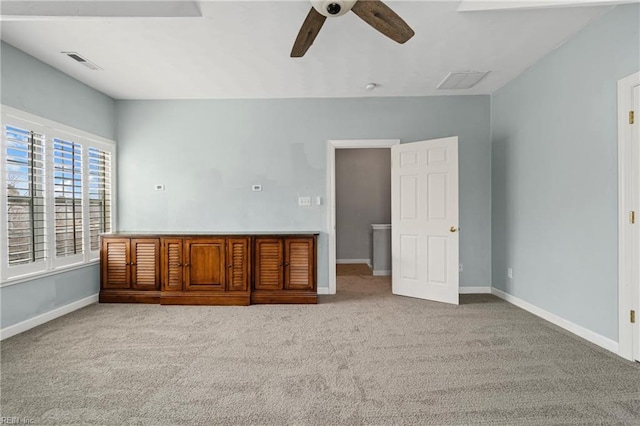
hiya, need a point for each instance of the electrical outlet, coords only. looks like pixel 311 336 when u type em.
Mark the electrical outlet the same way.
pixel 304 201
pixel 159 187
pixel 509 273
pixel 256 188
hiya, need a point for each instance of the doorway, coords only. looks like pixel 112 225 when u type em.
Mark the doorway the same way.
pixel 424 225
pixel 363 207
pixel 331 161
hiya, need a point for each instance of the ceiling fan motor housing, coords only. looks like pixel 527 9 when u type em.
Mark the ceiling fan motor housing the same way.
pixel 332 8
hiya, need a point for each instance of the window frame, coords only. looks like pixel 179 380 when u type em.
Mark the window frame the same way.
pixel 52 130
pixel 41 265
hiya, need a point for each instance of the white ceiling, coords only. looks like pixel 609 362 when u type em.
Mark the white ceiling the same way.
pixel 240 49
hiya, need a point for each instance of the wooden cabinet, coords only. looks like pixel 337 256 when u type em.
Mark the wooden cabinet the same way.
pixel 172 265
pixel 208 270
pixel 205 271
pixel 285 270
pixel 205 264
pixel 130 270
pixel 238 264
pixel 269 264
pixel 115 256
pixel 299 255
pixel 145 264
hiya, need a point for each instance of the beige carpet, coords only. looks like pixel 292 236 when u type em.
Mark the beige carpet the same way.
pixel 361 357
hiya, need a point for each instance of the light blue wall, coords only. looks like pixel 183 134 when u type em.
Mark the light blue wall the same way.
pixel 208 153
pixel 554 182
pixel 37 88
pixel 29 299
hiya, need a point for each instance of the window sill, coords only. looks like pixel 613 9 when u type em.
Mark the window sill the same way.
pixel 37 275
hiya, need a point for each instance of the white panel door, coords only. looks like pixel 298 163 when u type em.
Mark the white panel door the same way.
pixel 635 240
pixel 424 219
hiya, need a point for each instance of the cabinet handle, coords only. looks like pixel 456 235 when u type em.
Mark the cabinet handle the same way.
pixel 286 263
pixel 187 264
pixel 133 264
pixel 179 264
pixel 230 265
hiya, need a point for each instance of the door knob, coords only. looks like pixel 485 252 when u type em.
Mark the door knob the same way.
pixel 453 229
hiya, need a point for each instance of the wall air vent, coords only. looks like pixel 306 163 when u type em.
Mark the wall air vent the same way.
pixel 462 79
pixel 81 60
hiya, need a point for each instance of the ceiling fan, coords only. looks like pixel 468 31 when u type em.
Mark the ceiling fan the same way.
pixel 373 12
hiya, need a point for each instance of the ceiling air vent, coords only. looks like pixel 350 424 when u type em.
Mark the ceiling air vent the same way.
pixel 84 61
pixel 462 79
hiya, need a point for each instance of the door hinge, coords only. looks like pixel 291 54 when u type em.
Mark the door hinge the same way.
pixel 632 216
pixel 632 317
pixel 631 117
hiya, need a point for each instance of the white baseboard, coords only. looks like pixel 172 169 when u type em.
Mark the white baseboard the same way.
pixel 367 261
pixel 323 290
pixel 381 273
pixel 474 290
pixel 595 338
pixel 23 326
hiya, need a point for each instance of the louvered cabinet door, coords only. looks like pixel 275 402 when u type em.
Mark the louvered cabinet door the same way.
pixel 145 264
pixel 238 264
pixel 172 264
pixel 269 263
pixel 298 264
pixel 205 265
pixel 115 258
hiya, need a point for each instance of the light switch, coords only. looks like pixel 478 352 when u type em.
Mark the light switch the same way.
pixel 159 187
pixel 304 201
pixel 318 200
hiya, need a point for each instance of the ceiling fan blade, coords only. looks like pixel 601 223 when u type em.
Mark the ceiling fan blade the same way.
pixel 308 32
pixel 383 19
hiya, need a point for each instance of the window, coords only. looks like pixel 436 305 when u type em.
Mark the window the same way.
pixel 58 197
pixel 25 196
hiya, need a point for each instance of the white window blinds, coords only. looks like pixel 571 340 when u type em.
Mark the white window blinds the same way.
pixel 99 194
pixel 26 196
pixel 67 183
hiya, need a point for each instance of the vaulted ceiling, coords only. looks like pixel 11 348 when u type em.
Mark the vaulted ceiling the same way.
pixel 240 49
